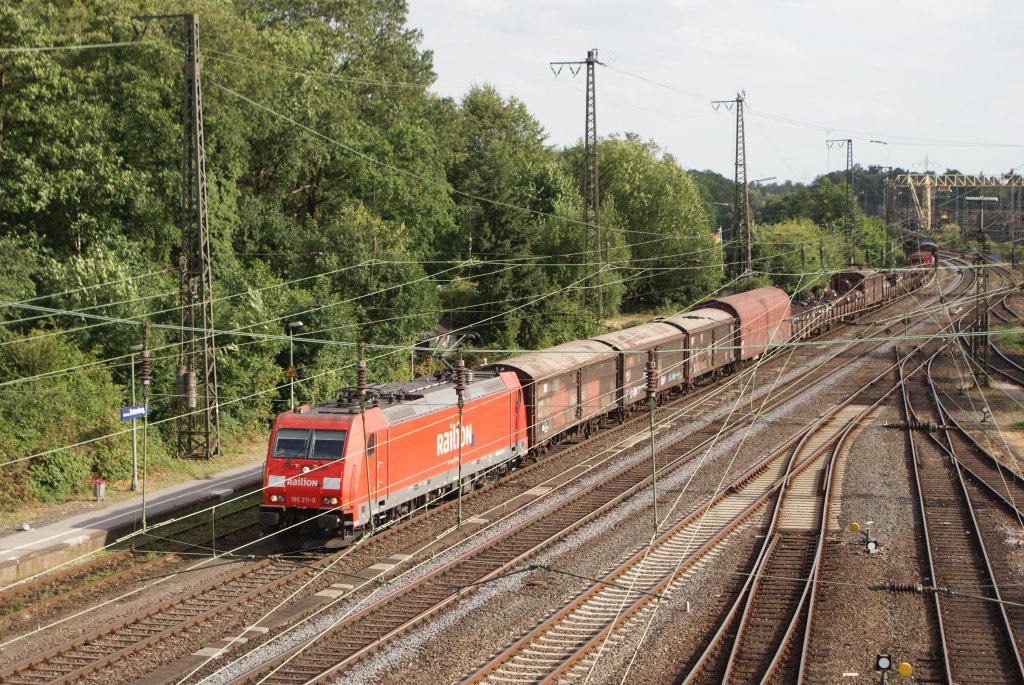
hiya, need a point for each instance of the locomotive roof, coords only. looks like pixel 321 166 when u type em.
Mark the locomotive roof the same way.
pixel 699 319
pixel 556 360
pixel 642 337
pixel 405 400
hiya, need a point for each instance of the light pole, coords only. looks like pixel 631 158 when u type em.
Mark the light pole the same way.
pixel 146 377
pixel 292 327
pixel 979 341
pixel 886 144
pixel 134 349
pixel 748 247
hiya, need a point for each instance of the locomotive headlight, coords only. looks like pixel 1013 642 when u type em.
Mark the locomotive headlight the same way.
pixel 277 498
pixel 331 501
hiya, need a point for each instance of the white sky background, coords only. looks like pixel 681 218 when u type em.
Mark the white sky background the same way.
pixel 920 75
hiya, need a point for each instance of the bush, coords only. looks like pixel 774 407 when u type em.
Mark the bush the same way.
pixel 52 412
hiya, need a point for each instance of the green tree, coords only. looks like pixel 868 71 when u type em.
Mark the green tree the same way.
pixel 790 253
pixel 673 256
pixel 508 186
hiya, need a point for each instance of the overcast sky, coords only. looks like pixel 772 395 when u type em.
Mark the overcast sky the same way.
pixel 932 78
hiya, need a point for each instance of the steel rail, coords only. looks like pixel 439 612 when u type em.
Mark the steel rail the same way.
pixel 690 397
pixel 85 655
pixel 376 642
pixel 974 641
pixel 642 480
pixel 781 395
pixel 596 599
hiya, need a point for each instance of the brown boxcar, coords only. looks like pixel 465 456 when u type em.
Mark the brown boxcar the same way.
pixel 632 344
pixel 867 281
pixel 564 386
pixel 764 319
pixel 711 339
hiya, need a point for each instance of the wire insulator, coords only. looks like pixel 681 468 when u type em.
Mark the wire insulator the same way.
pixel 144 373
pixel 144 364
pixel 361 375
pixel 904 588
pixel 652 375
pixel 460 381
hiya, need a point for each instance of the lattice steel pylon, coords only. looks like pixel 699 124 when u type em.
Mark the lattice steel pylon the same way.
pixel 848 230
pixel 741 250
pixel 197 410
pixel 591 185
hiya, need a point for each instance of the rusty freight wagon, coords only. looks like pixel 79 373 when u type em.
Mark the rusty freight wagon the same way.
pixel 711 341
pixel 764 319
pixel 632 344
pixel 867 281
pixel 567 388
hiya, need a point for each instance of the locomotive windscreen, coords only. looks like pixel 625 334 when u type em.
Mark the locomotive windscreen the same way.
pixel 305 443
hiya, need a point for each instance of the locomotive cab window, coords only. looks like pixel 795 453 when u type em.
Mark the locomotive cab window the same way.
pixel 328 445
pixel 291 443
pixel 303 443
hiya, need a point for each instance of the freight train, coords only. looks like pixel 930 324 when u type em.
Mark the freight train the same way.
pixel 921 258
pixel 379 452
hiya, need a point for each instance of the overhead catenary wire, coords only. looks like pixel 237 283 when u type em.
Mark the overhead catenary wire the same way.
pixel 69 48
pixel 86 288
pixel 219 55
pixel 409 174
pixel 267 337
pixel 136 319
pixel 215 556
pixel 334 623
pixel 726 470
pixel 908 140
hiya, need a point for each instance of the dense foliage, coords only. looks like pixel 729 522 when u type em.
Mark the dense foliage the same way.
pixel 342 194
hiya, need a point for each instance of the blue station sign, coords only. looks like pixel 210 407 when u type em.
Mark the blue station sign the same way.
pixel 134 412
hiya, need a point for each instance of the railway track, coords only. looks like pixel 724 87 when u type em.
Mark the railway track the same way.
pixel 768 620
pixel 92 652
pixel 978 641
pixel 569 636
pixel 367 630
pixel 1001 363
pixel 105 660
pixel 180 536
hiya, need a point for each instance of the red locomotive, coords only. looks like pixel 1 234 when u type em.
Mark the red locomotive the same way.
pixel 335 468
pixel 344 466
pixel 921 258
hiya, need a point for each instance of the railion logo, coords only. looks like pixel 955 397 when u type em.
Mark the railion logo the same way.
pixel 449 440
pixel 305 482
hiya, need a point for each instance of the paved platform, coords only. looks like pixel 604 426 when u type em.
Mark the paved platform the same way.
pixel 26 553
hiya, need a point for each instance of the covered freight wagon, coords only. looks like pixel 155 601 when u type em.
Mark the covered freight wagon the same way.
pixel 564 386
pixel 632 344
pixel 764 319
pixel 711 339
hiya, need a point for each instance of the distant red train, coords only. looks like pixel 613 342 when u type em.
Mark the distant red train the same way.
pixel 332 470
pixel 921 258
